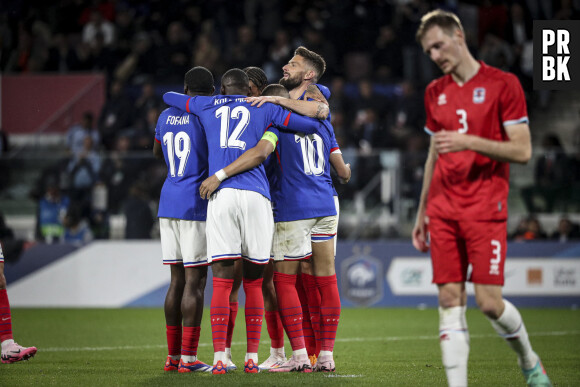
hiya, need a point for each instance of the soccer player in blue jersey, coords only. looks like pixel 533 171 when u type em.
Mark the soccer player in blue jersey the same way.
pixel 11 352
pixel 239 220
pixel 180 139
pixel 300 77
pixel 258 81
pixel 303 200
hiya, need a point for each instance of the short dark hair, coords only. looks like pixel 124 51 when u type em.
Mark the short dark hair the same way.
pixel 257 76
pixel 199 80
pixel 276 89
pixel 315 60
pixel 236 79
pixel 447 21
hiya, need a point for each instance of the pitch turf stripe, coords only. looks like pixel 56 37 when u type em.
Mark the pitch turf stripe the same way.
pixel 339 340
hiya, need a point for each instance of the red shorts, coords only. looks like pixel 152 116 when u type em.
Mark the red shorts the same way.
pixel 457 244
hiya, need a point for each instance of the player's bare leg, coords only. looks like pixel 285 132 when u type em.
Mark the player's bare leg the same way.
pixel 11 351
pixel 254 313
pixel 238 274
pixel 273 321
pixel 192 311
pixel 453 333
pixel 223 279
pixel 173 316
pixel 325 276
pixel 508 323
pixel 291 314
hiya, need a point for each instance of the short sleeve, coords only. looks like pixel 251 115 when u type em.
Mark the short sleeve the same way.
pixel 430 125
pixel 181 101
pixel 158 128
pixel 513 108
pixel 284 119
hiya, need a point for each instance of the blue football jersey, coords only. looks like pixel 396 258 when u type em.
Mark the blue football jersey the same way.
pixel 233 126
pixel 334 144
pixel 299 174
pixel 185 151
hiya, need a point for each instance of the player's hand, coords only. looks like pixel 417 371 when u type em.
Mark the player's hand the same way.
pixel 209 186
pixel 259 101
pixel 344 181
pixel 450 141
pixel 420 241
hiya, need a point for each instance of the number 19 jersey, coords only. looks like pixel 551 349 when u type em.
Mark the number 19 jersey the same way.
pixel 184 148
pixel 233 126
pixel 467 184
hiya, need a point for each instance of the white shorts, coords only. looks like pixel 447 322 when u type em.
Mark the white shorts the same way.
pixel 293 240
pixel 240 224
pixel 327 230
pixel 183 241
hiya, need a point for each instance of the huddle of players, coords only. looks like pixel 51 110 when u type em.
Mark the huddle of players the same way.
pixel 255 221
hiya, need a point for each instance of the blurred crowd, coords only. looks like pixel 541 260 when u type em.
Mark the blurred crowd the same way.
pixel 375 71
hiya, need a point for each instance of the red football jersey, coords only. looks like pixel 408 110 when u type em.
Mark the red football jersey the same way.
pixel 466 184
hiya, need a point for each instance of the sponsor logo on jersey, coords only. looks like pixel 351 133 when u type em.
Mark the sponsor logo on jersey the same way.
pixel 362 278
pixel 479 95
pixel 178 120
pixel 442 100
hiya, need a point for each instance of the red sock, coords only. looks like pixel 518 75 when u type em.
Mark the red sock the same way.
pixel 329 310
pixel 5 317
pixel 289 308
pixel 254 310
pixel 275 329
pixel 220 312
pixel 173 340
pixel 313 296
pixel 190 341
pixel 231 323
pixel 309 337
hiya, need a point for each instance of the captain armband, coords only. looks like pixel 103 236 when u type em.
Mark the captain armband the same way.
pixel 270 136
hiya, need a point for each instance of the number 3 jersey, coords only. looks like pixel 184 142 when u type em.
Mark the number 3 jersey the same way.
pixel 466 184
pixel 299 174
pixel 185 151
pixel 233 126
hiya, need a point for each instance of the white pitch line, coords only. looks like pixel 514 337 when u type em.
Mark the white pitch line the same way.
pixel 339 340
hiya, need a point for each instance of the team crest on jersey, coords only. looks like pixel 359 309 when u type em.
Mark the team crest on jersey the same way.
pixel 442 100
pixel 362 281
pixel 479 95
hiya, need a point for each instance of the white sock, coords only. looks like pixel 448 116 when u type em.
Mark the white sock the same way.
pixel 454 342
pixel 279 352
pixel 6 343
pixel 188 359
pixel 325 353
pixel 219 356
pixel 175 357
pixel 511 327
pixel 253 356
pixel 300 352
pixel 229 353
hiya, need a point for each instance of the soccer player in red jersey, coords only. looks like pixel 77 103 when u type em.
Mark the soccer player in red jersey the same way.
pixel 477 119
pixel 11 351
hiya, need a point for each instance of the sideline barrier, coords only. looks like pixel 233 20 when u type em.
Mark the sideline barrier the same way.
pixel 114 274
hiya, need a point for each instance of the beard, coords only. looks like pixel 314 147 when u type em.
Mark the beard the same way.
pixel 290 83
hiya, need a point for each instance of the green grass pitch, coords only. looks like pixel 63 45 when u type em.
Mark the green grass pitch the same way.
pixel 375 347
